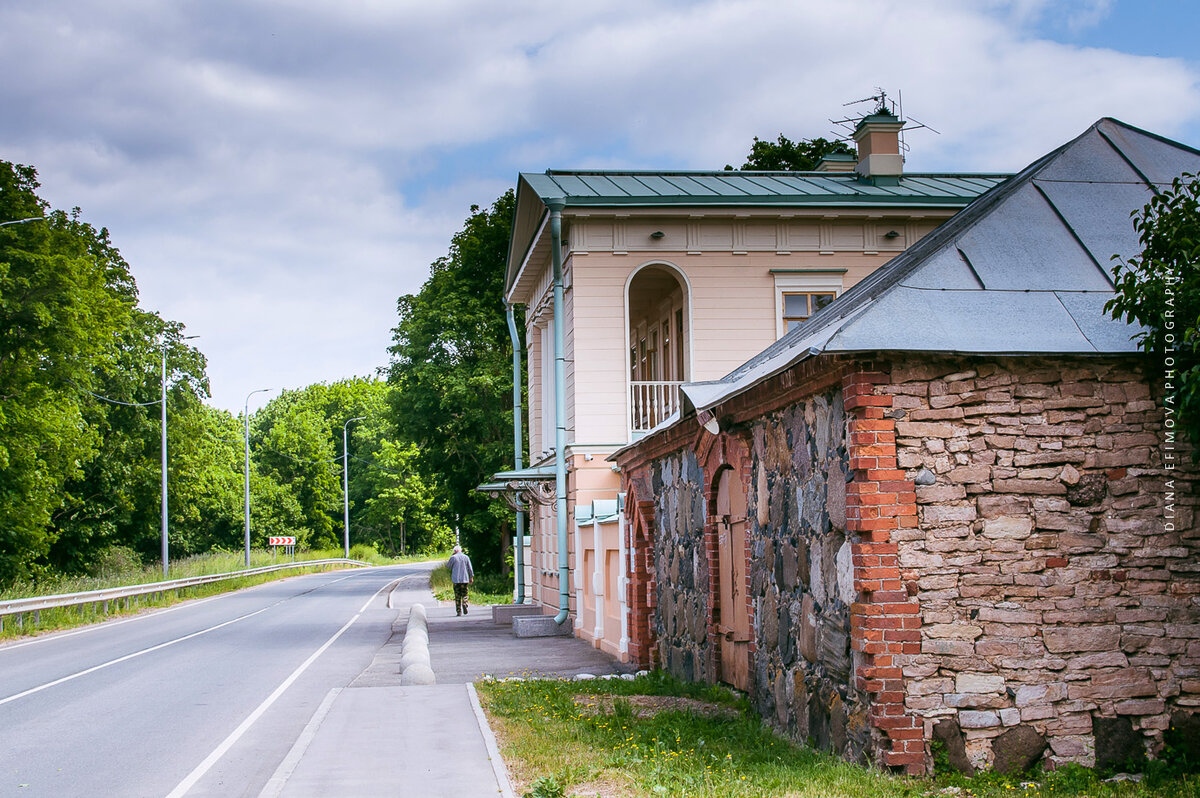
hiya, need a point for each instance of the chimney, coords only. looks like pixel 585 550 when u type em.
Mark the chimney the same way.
pixel 878 140
pixel 836 162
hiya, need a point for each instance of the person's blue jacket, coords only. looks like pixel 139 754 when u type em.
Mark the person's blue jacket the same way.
pixel 461 571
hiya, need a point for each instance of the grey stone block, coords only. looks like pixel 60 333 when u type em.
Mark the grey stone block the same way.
pixel 542 626
pixel 503 614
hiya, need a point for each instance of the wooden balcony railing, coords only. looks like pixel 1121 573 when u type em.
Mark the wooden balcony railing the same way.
pixel 650 403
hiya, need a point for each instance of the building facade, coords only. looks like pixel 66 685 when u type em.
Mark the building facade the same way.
pixel 666 279
pixel 948 509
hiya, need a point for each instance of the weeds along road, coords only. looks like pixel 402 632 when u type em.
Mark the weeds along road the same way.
pixel 203 699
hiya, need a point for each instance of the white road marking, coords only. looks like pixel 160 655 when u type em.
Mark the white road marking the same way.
pixel 288 766
pixel 152 612
pixel 149 650
pixel 127 657
pixel 220 751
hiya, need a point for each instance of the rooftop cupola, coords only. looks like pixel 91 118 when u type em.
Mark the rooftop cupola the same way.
pixel 878 140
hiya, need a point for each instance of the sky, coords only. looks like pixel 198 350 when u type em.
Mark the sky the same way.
pixel 278 173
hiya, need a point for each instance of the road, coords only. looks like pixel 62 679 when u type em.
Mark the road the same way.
pixel 202 699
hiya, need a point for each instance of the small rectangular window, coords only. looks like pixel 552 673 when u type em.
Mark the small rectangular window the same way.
pixel 797 307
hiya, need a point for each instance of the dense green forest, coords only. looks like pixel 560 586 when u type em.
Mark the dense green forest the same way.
pixel 80 387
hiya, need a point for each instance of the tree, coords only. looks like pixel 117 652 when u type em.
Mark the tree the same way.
pixel 296 444
pixel 114 498
pixel 294 447
pixel 65 296
pixel 1160 289
pixel 451 371
pixel 394 508
pixel 785 155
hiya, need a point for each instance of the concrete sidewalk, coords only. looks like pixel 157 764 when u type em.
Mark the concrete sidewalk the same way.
pixel 378 738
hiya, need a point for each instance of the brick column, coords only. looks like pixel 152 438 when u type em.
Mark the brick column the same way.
pixel 885 623
pixel 640 598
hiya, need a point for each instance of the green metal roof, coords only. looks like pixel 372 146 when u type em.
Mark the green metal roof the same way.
pixel 605 188
pixel 727 189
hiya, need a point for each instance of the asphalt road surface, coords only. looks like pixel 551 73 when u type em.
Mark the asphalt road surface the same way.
pixel 203 699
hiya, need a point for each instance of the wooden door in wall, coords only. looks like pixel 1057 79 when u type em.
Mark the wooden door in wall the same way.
pixel 734 625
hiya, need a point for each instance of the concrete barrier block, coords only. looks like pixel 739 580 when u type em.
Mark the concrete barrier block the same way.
pixel 541 626
pixel 503 614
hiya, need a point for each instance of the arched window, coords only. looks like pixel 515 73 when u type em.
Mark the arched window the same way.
pixel 659 350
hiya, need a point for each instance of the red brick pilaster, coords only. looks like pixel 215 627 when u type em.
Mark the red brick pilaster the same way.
pixel 885 623
pixel 640 596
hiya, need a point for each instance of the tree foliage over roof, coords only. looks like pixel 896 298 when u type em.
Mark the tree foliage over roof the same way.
pixel 785 155
pixel 1160 289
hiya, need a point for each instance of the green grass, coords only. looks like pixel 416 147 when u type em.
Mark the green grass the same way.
pixel 488 588
pixel 124 573
pixel 1073 780
pixel 545 734
pixel 556 746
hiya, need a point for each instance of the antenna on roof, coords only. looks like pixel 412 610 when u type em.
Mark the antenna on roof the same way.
pixel 883 105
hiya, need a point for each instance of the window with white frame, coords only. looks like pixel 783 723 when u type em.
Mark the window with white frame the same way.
pixel 800 293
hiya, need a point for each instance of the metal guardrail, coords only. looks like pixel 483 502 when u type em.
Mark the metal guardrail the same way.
pixel 38 603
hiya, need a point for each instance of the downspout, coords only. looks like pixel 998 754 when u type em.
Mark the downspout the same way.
pixel 560 411
pixel 518 461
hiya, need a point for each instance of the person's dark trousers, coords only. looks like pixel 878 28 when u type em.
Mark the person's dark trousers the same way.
pixel 460 596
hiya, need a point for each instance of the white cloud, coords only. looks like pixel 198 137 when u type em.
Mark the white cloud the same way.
pixel 278 172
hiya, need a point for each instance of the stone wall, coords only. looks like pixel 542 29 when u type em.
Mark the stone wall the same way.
pixel 1055 561
pixel 801 578
pixel 682 568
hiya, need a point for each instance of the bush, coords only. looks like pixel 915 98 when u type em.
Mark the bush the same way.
pixel 115 561
pixel 365 552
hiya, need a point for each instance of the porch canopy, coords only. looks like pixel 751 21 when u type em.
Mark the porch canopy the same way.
pixel 522 487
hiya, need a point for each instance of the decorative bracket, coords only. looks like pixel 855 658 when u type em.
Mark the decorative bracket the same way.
pixel 518 494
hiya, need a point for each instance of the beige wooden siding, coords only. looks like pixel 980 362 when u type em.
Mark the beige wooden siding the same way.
pixel 598 298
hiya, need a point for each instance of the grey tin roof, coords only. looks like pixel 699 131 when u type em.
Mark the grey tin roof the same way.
pixel 1025 269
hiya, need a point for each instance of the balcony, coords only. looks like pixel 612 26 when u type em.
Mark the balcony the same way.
pixel 650 403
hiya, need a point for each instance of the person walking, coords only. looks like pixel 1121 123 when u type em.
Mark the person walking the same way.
pixel 462 575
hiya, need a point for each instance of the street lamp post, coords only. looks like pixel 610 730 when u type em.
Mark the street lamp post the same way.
pixel 163 402
pixel 346 486
pixel 246 416
pixel 163 408
pixel 22 221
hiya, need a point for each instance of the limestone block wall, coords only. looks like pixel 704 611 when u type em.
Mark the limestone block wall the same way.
pixel 1056 560
pixel 682 561
pixel 801 577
